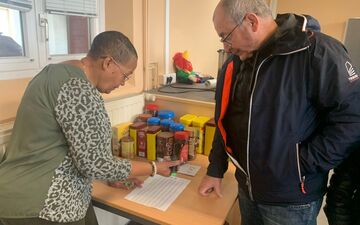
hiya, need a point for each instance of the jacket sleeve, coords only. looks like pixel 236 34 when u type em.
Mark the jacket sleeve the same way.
pixel 335 94
pixel 343 184
pixel 82 117
pixel 218 158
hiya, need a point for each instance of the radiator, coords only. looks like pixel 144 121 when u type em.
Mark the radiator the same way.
pixel 126 109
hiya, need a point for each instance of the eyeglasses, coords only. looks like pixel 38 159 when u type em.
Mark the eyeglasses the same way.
pixel 126 76
pixel 225 39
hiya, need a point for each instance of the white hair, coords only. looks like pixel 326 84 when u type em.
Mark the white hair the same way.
pixel 237 9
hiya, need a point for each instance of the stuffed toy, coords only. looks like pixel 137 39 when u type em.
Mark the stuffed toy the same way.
pixel 184 69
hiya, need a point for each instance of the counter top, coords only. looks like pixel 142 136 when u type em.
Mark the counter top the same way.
pixel 195 92
pixel 189 208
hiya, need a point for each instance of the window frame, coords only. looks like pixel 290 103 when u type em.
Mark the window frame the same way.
pixel 36 47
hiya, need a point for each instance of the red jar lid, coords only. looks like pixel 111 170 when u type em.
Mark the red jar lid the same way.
pixel 181 135
pixel 151 107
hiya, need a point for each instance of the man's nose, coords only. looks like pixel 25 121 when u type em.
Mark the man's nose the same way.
pixel 227 47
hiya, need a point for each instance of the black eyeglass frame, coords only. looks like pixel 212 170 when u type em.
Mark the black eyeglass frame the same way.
pixel 224 39
pixel 126 76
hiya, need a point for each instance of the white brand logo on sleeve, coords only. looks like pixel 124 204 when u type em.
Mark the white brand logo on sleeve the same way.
pixel 351 71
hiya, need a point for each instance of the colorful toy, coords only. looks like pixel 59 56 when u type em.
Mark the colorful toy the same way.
pixel 184 69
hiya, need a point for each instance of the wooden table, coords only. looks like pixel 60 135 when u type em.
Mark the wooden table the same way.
pixel 189 208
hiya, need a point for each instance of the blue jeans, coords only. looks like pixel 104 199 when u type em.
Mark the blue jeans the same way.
pixel 253 213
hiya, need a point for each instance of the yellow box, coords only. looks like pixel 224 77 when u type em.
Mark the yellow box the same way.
pixel 133 132
pixel 187 119
pixel 151 142
pixel 199 125
pixel 210 128
pixel 118 131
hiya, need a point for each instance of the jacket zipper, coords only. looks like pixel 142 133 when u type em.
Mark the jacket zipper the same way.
pixel 249 122
pixel 301 178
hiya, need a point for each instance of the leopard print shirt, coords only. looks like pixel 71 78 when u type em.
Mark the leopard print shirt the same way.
pixel 81 114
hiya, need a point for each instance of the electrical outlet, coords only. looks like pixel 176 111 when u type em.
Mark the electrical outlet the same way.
pixel 169 78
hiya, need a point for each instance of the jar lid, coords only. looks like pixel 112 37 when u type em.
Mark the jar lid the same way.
pixel 166 114
pixel 127 139
pixel 166 122
pixel 152 107
pixel 138 125
pixel 165 135
pixel 153 129
pixel 153 121
pixel 181 135
pixel 176 127
pixel 144 117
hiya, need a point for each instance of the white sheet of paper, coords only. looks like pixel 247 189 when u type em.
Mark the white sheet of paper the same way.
pixel 188 169
pixel 158 191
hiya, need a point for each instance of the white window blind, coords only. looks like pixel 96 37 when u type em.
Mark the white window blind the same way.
pixel 21 5
pixel 86 8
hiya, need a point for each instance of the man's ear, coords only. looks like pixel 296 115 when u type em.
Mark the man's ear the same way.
pixel 253 21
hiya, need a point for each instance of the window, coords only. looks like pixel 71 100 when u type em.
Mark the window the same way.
pixel 11 35
pixel 45 31
pixel 68 34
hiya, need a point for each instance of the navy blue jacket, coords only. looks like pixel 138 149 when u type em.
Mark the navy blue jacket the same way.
pixel 304 116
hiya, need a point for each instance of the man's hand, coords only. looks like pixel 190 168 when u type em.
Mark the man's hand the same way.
pixel 210 184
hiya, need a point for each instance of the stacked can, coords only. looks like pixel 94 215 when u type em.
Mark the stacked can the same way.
pixel 164 146
pixel 134 128
pixel 192 143
pixel 181 145
pixel 128 147
pixel 199 124
pixel 142 142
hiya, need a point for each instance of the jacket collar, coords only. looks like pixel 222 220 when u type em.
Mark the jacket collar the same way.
pixel 291 34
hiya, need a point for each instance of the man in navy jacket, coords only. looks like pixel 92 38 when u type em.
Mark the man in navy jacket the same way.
pixel 287 111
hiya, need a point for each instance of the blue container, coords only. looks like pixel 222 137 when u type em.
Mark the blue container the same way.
pixel 165 124
pixel 153 121
pixel 176 127
pixel 166 114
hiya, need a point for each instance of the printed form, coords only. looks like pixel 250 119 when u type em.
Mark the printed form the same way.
pixel 158 191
